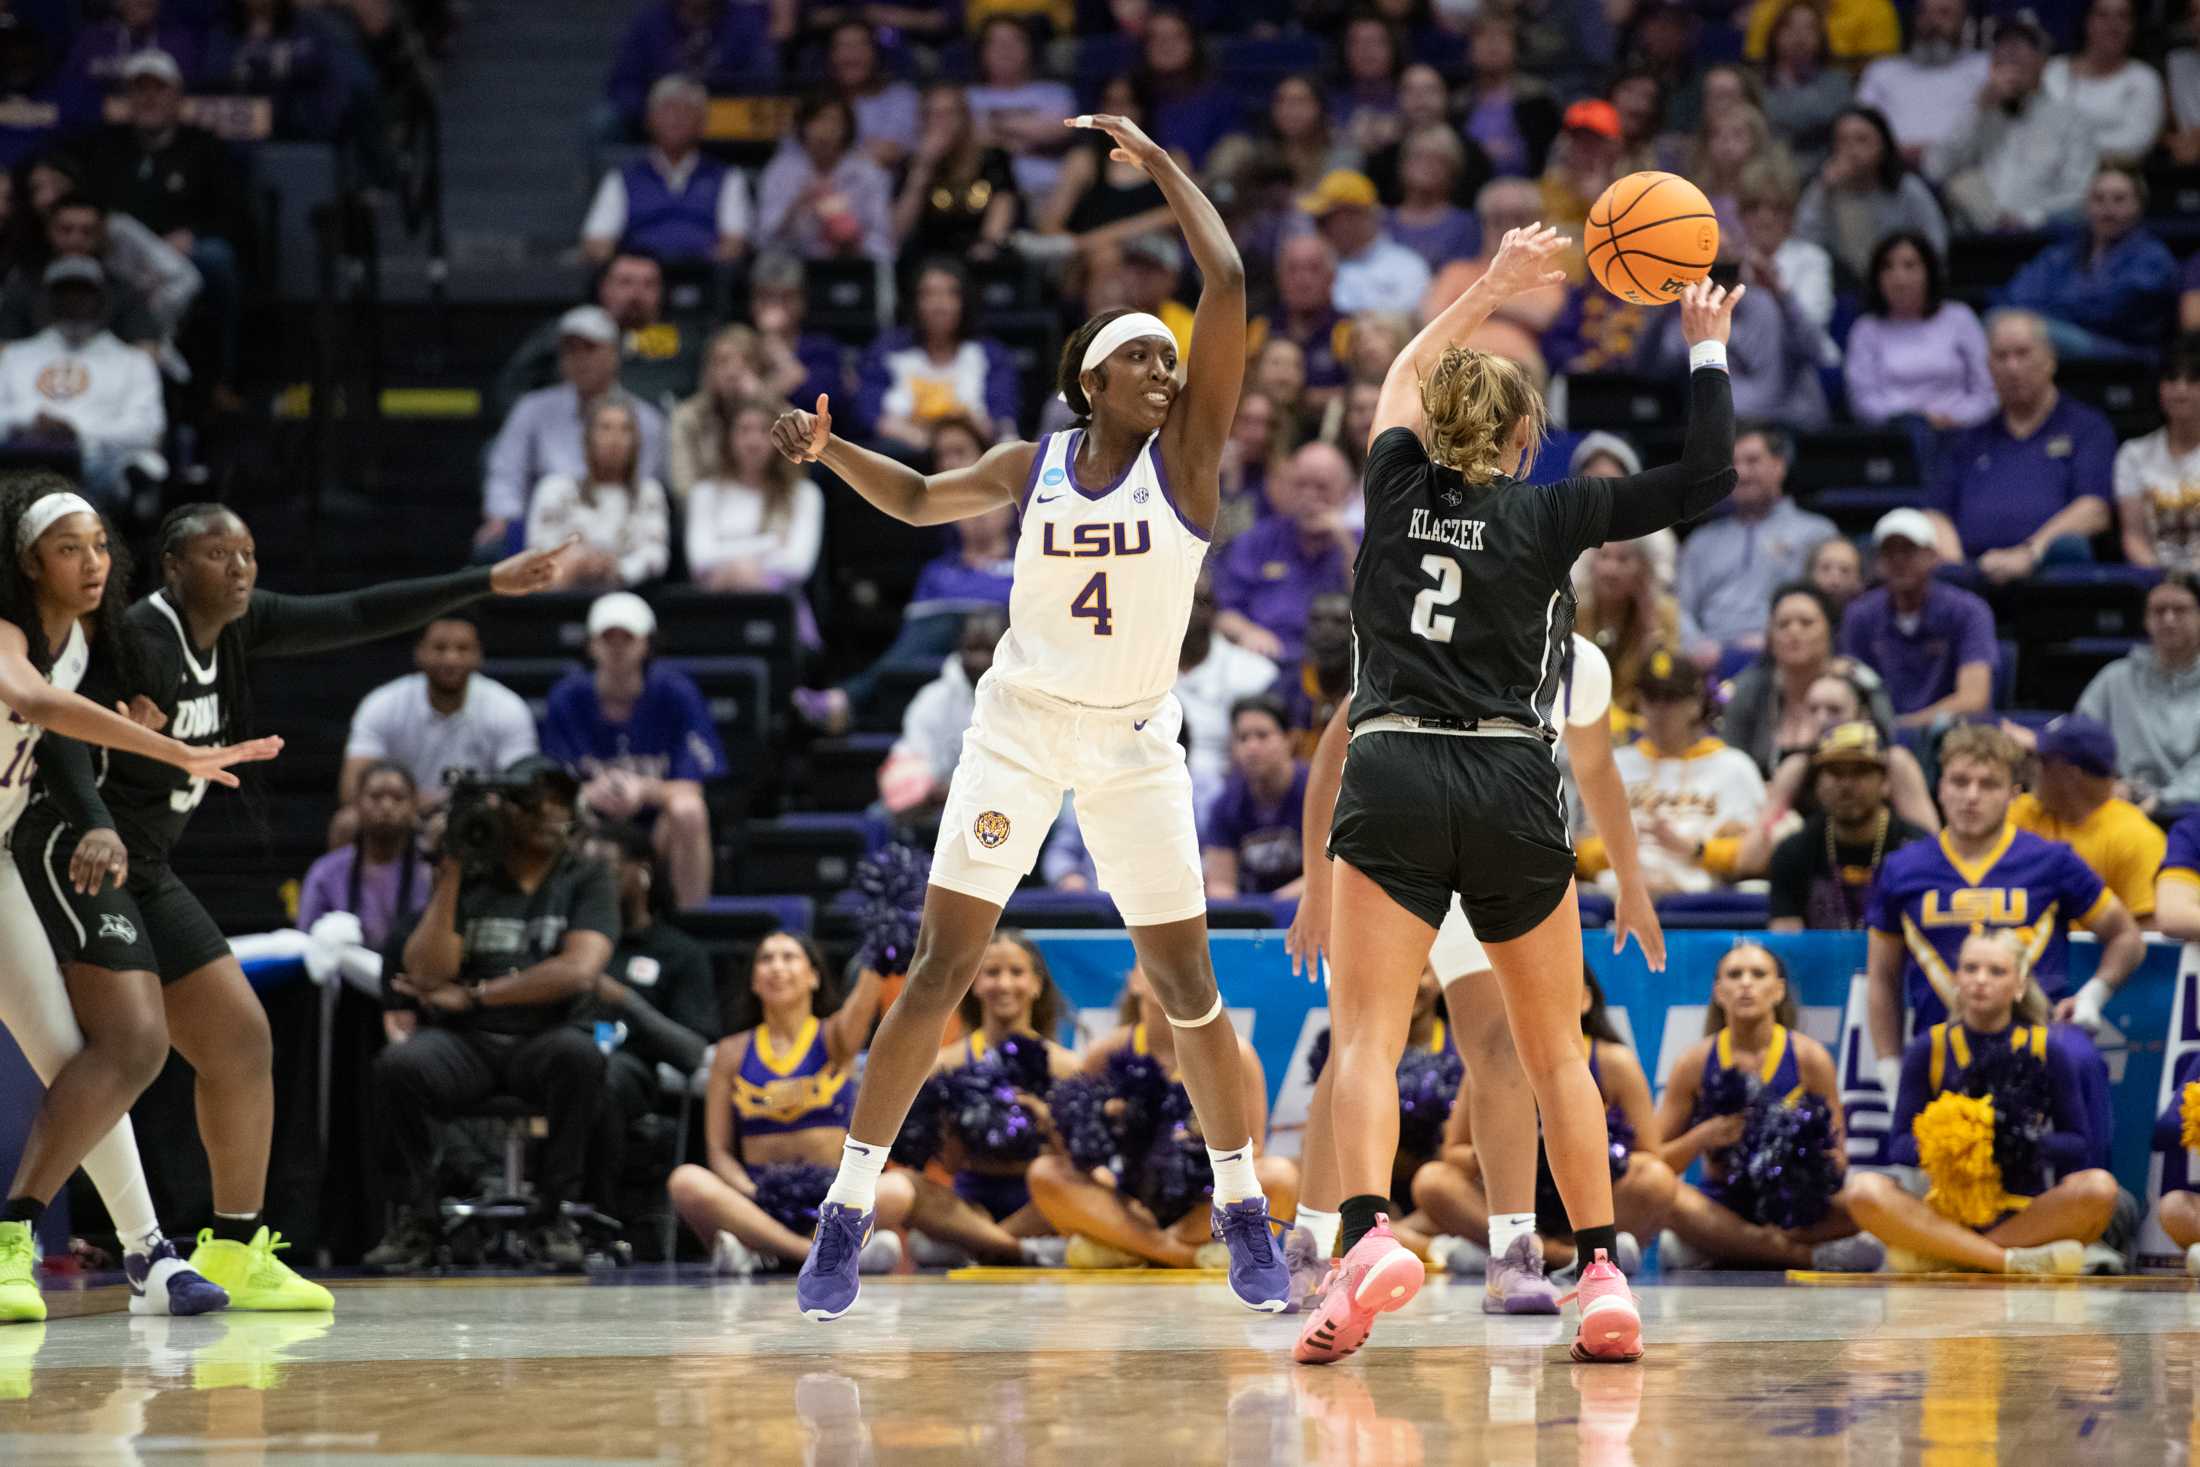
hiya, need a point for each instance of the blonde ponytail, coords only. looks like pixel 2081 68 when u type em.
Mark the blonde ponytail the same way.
pixel 1471 403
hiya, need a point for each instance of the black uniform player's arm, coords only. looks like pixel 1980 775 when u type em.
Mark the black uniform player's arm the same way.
pixel 1659 498
pixel 66 774
pixel 288 626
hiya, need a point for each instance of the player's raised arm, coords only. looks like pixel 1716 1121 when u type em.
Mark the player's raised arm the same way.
pixel 1524 262
pixel 911 497
pixel 1191 442
pixel 1664 496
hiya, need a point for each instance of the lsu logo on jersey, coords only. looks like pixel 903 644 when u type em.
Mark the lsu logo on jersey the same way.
pixel 1976 906
pixel 1105 537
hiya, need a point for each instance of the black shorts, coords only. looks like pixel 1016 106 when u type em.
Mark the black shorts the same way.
pixel 152 925
pixel 1424 815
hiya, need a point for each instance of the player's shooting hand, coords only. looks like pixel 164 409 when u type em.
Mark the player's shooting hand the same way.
pixel 99 855
pixel 801 436
pixel 1526 260
pixel 1132 146
pixel 213 764
pixel 533 570
pixel 1707 311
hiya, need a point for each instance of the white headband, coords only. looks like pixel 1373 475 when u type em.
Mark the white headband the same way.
pixel 42 514
pixel 1120 330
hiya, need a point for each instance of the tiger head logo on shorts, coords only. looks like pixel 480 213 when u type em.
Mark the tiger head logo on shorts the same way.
pixel 991 829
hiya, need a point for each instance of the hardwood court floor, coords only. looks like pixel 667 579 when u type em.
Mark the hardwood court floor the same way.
pixel 1036 1374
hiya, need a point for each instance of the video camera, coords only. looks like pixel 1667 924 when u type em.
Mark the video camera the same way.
pixel 477 825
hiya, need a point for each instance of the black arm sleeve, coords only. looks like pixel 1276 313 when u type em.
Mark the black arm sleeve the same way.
pixel 290 626
pixel 1658 498
pixel 66 767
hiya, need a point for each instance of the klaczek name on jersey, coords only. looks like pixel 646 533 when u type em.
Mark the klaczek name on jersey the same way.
pixel 1459 534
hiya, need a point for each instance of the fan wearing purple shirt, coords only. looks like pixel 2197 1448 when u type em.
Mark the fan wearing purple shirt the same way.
pixel 379 877
pixel 1931 643
pixel 2029 486
pixel 1266 581
pixel 640 736
pixel 1251 844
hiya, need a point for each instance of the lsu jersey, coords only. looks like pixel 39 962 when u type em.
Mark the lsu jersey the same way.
pixel 1103 584
pixel 1931 899
pixel 777 1091
pixel 19 736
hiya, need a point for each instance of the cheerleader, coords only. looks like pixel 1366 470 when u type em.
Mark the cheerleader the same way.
pixel 1108 1229
pixel 1751 1048
pixel 988 1212
pixel 1986 1219
pixel 2177 1136
pixel 776 1115
pixel 1449 1190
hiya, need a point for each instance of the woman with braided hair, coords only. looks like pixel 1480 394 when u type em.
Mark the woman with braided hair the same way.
pixel 62 590
pixel 145 939
pixel 2037 1223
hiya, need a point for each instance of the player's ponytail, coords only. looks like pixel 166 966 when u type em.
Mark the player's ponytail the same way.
pixel 1471 404
pixel 1073 359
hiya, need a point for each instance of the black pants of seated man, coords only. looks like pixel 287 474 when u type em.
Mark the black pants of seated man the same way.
pixel 440 1072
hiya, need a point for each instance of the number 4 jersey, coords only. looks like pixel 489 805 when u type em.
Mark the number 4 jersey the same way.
pixel 19 736
pixel 1104 579
pixel 1462 610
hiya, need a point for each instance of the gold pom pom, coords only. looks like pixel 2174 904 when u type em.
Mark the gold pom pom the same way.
pixel 1955 1145
pixel 2190 1133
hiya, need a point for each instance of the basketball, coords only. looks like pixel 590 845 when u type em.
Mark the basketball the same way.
pixel 1649 237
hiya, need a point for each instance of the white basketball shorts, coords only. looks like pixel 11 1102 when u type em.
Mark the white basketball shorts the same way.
pixel 1133 801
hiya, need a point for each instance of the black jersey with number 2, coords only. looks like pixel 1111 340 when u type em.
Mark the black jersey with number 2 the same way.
pixel 1462 603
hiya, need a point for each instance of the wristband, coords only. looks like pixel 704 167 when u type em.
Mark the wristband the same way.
pixel 1890 1078
pixel 1707 354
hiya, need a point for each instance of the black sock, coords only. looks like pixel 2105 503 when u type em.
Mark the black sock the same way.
pixel 1359 1218
pixel 1588 1240
pixel 236 1229
pixel 25 1210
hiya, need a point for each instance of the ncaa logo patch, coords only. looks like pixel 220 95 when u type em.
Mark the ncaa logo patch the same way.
pixel 114 924
pixel 1051 477
pixel 991 829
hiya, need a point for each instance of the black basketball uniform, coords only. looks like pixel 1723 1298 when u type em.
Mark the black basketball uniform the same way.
pixel 153 923
pixel 1463 615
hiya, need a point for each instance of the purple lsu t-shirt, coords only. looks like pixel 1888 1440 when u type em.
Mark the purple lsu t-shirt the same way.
pixel 1266 837
pixel 1918 662
pixel 1998 490
pixel 669 735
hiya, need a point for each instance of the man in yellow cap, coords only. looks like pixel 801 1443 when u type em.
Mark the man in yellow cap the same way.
pixel 1374 271
pixel 1822 873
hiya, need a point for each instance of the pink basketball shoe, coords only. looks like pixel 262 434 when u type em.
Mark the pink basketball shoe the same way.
pixel 1378 1275
pixel 1611 1327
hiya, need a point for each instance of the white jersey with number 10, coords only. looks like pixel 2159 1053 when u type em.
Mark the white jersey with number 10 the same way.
pixel 19 736
pixel 1103 585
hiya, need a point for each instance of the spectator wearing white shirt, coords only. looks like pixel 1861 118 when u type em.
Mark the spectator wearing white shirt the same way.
pixel 542 433
pixel 822 197
pixel 1927 91
pixel 2119 97
pixel 2158 476
pixel 1779 261
pixel 1212 674
pixel 756 524
pixel 1018 112
pixel 76 384
pixel 2022 158
pixel 620 514
pixel 1374 271
pixel 673 203
pixel 442 719
pixel 922 761
pixel 1865 193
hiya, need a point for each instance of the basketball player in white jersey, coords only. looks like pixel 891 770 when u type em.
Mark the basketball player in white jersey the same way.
pixel 1117 513
pixel 1502 1103
pixel 58 578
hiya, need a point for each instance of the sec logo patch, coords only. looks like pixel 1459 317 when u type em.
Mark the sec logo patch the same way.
pixel 991 829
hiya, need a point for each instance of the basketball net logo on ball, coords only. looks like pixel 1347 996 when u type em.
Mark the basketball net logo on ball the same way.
pixel 1649 237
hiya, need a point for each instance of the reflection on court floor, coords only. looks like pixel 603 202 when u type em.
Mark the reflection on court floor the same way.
pixel 929 1371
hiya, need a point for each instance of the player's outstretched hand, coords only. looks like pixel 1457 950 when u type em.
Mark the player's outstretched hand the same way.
pixel 213 764
pixel 1525 260
pixel 1132 146
pixel 1707 311
pixel 1634 916
pixel 534 570
pixel 801 436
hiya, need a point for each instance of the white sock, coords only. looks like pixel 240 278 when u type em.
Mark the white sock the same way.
pixel 856 1183
pixel 1506 1226
pixel 142 1241
pixel 1324 1226
pixel 1234 1179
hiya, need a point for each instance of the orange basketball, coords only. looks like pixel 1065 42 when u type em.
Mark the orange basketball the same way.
pixel 1649 237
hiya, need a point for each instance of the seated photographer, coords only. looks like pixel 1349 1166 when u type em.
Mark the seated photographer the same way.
pixel 519 924
pixel 657 987
pixel 640 734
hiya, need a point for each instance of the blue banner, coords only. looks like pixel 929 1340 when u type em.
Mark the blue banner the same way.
pixel 1661 1013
